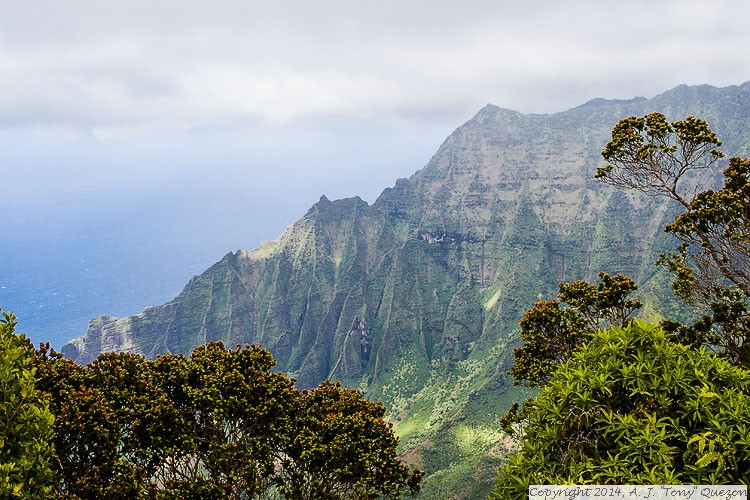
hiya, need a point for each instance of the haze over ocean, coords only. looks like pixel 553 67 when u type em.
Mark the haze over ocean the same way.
pixel 73 249
pixel 58 270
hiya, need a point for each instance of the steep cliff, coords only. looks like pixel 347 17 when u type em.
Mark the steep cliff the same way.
pixel 415 299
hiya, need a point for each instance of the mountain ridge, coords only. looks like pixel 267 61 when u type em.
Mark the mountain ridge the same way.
pixel 415 298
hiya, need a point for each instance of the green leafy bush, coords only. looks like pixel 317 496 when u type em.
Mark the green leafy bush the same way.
pixel 25 421
pixel 633 407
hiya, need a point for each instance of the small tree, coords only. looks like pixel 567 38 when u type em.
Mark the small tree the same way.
pixel 712 263
pixel 26 449
pixel 342 449
pixel 632 407
pixel 553 330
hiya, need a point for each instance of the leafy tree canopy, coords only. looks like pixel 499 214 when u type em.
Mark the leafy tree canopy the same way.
pixel 26 450
pixel 631 406
pixel 218 424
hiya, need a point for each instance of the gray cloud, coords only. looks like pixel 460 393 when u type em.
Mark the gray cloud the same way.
pixel 122 66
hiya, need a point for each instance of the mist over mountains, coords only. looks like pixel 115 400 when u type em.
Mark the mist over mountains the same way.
pixel 116 225
pixel 415 298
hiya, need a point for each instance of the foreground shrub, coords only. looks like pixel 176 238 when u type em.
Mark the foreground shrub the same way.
pixel 633 407
pixel 26 449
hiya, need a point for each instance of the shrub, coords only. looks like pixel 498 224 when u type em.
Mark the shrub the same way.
pixel 633 407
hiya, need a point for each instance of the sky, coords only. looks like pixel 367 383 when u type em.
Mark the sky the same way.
pixel 179 82
pixel 192 128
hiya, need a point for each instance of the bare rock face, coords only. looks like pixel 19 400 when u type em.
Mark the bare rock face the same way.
pixel 355 353
pixel 415 299
pixel 104 334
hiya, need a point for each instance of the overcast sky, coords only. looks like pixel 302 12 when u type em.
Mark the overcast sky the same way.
pixel 174 79
pixel 114 67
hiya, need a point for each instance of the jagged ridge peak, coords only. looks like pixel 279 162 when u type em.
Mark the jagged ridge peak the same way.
pixel 478 174
pixel 598 101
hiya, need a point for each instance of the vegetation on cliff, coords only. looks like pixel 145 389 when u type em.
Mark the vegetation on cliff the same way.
pixel 415 298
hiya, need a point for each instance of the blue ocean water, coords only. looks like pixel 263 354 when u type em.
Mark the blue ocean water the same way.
pixel 62 266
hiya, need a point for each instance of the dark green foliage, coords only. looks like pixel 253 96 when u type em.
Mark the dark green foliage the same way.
pixel 233 412
pixel 553 330
pixel 114 425
pixel 632 407
pixel 652 155
pixel 26 450
pixel 218 424
pixel 341 449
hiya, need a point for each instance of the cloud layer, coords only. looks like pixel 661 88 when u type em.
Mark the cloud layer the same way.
pixel 118 67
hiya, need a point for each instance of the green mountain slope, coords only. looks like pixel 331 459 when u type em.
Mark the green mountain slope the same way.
pixel 415 299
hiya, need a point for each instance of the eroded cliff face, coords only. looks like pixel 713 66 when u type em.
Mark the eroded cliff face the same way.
pixel 415 299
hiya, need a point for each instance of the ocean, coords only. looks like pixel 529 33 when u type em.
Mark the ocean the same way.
pixel 61 266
